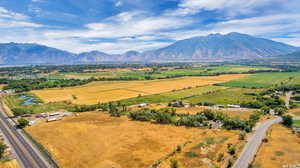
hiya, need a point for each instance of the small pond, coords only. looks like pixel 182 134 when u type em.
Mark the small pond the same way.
pixel 27 100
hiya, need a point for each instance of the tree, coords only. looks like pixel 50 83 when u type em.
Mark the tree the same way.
pixel 280 110
pixel 265 109
pixel 287 120
pixel 2 149
pixel 22 123
pixel 174 163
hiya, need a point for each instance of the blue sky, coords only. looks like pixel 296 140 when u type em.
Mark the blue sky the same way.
pixel 116 26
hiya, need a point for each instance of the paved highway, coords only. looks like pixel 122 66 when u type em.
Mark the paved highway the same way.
pixel 253 144
pixel 26 155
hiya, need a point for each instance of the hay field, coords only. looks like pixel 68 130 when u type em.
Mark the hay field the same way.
pixel 9 164
pixel 2 86
pixel 204 151
pixel 243 113
pixel 96 140
pixel 105 91
pixel 280 150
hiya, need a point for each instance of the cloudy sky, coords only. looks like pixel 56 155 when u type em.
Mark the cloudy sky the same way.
pixel 116 26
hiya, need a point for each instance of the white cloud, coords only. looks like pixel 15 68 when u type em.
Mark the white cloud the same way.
pixel 230 7
pixel 125 25
pixel 9 19
pixel 119 3
pixel 270 25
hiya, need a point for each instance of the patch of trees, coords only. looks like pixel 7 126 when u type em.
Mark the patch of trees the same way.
pixel 85 108
pixel 21 111
pixel 201 119
pixel 3 147
pixel 22 123
pixel 24 85
pixel 263 102
pixel 287 120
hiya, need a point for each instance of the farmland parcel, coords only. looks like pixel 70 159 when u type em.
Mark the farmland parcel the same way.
pixel 106 91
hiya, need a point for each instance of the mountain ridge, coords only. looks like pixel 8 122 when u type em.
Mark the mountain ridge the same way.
pixel 214 47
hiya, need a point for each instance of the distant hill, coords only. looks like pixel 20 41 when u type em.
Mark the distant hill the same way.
pixel 295 56
pixel 217 47
pixel 212 48
pixel 16 53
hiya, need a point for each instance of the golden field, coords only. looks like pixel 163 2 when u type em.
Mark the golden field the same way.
pixel 105 91
pixel 282 149
pixel 204 151
pixel 9 164
pixel 243 113
pixel 96 140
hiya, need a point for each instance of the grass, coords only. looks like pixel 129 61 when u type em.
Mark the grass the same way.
pixel 141 74
pixel 296 122
pixel 98 140
pixel 262 80
pixel 9 164
pixel 224 96
pixel 279 150
pixel 15 101
pixel 106 91
pixel 171 96
pixel 204 149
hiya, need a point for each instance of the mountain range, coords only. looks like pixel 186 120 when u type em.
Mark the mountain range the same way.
pixel 211 48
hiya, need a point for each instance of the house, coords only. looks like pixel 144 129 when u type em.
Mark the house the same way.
pixel 233 106
pixel 142 105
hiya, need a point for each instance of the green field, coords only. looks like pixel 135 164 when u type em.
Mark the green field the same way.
pixel 262 80
pixel 224 96
pixel 17 102
pixel 171 96
pixel 157 74
pixel 296 122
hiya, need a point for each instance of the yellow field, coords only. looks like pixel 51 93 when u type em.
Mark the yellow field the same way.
pixel 106 91
pixel 282 149
pixel 230 112
pixel 2 86
pixel 96 140
pixel 243 114
pixel 9 164
pixel 195 155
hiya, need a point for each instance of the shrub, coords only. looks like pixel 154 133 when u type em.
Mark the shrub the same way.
pixel 231 149
pixel 20 111
pixel 287 120
pixel 22 123
pixel 174 164
pixel 2 149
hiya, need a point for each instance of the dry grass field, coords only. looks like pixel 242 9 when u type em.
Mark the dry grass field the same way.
pixel 243 114
pixel 204 151
pixel 9 164
pixel 282 149
pixel 96 140
pixel 2 86
pixel 106 91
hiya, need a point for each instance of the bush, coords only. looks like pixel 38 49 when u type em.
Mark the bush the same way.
pixel 287 120
pixel 2 149
pixel 174 164
pixel 231 149
pixel 220 157
pixel 22 123
pixel 242 136
pixel 20 111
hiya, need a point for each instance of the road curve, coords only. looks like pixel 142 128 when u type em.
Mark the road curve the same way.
pixel 27 157
pixel 249 151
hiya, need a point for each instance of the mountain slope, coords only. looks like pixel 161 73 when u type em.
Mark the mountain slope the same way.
pixel 232 46
pixel 16 53
pixel 212 48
